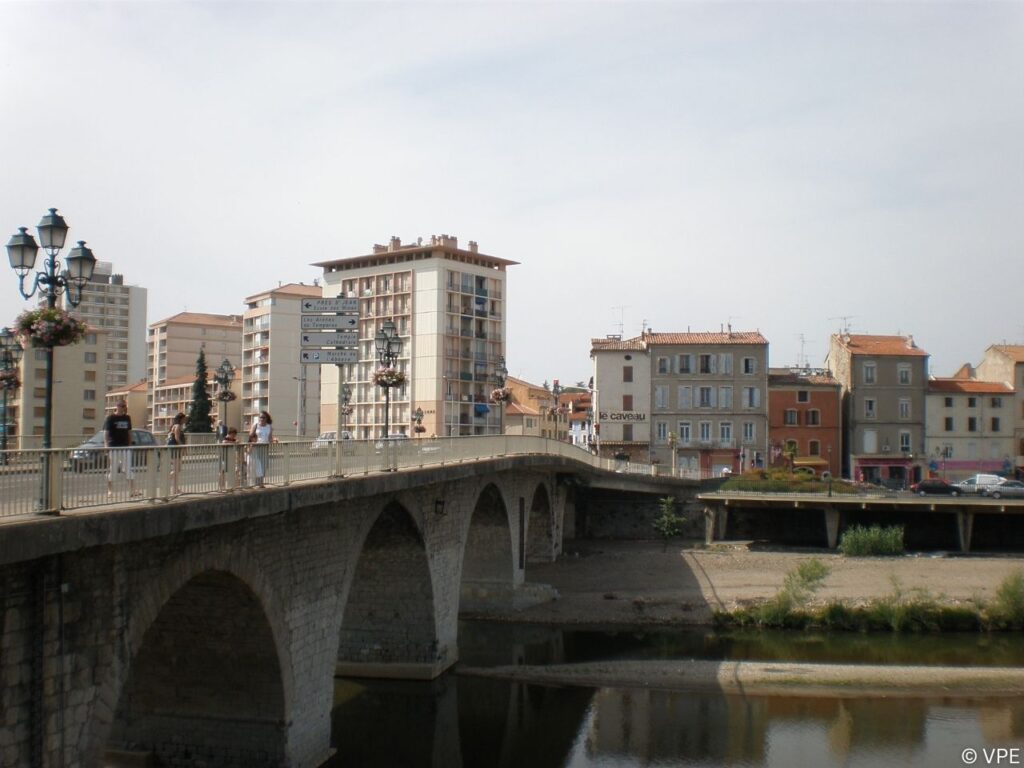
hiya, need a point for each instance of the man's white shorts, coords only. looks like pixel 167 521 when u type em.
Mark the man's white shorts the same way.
pixel 120 461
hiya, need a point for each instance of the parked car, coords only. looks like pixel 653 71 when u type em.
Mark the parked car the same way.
pixel 934 486
pixel 979 483
pixel 396 439
pixel 326 439
pixel 1009 488
pixel 92 455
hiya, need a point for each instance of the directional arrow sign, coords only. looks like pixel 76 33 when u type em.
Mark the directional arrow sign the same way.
pixel 333 339
pixel 338 304
pixel 327 322
pixel 328 356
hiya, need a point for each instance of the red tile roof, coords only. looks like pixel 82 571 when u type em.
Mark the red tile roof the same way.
pixel 898 346
pixel 521 410
pixel 972 386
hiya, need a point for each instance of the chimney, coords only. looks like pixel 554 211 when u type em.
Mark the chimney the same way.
pixel 396 243
pixel 910 342
pixel 472 246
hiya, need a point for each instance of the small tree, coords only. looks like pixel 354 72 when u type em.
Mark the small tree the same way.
pixel 199 410
pixel 668 523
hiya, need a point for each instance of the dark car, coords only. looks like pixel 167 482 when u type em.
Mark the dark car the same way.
pixel 92 455
pixel 934 486
pixel 1010 489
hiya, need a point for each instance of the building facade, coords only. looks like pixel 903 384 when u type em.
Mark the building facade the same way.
pixel 622 397
pixel 173 349
pixel 1005 363
pixel 174 396
pixel 79 387
pixel 273 379
pixel 534 411
pixel 884 381
pixel 805 419
pixel 448 304
pixel 969 428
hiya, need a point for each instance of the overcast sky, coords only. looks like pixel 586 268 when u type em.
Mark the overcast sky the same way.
pixel 684 165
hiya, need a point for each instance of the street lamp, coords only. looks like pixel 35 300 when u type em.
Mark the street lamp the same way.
pixel 673 442
pixel 500 378
pixel 389 347
pixel 556 390
pixel 417 419
pixel 223 377
pixel 51 282
pixel 344 410
pixel 10 356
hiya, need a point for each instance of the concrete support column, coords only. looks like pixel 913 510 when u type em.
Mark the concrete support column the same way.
pixel 964 529
pixel 715 519
pixel 832 520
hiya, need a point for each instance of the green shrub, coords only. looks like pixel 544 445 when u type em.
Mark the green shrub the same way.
pixel 668 523
pixel 1006 611
pixel 859 541
pixel 785 609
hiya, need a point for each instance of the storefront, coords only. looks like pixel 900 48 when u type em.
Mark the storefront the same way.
pixel 891 471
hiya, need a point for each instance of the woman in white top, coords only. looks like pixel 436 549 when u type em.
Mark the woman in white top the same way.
pixel 262 433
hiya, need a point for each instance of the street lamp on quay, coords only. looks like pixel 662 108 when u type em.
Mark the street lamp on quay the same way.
pixel 389 348
pixel 223 376
pixel 10 356
pixel 500 378
pixel 51 282
pixel 556 390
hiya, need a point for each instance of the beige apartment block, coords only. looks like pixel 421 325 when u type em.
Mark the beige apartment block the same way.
pixel 885 384
pixel 79 385
pixel 969 427
pixel 273 379
pixel 1005 363
pixel 622 397
pixel 448 304
pixel 108 304
pixel 174 344
pixel 175 396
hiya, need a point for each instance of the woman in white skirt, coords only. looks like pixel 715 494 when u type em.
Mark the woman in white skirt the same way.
pixel 261 435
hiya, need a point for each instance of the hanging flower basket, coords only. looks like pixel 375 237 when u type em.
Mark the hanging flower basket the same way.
pixel 9 379
pixel 419 428
pixel 226 396
pixel 345 410
pixel 501 395
pixel 388 377
pixel 48 328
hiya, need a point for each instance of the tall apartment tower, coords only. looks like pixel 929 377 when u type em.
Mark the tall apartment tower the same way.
pixel 448 304
pixel 108 304
pixel 174 344
pixel 273 379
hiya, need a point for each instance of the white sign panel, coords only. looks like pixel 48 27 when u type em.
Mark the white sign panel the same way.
pixel 338 304
pixel 328 356
pixel 327 322
pixel 330 339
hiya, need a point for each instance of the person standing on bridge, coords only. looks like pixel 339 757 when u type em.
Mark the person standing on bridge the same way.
pixel 117 436
pixel 175 439
pixel 262 434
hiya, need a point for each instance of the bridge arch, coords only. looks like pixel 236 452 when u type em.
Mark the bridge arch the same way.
pixel 205 676
pixel 488 554
pixel 540 527
pixel 389 622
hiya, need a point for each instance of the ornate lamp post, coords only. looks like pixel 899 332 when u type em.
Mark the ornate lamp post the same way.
pixel 50 282
pixel 556 390
pixel 672 443
pixel 10 355
pixel 417 420
pixel 389 347
pixel 344 409
pixel 223 376
pixel 500 378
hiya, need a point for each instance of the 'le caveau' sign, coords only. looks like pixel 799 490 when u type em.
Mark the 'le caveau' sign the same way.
pixel 622 416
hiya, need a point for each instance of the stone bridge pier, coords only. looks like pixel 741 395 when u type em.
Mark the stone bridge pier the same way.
pixel 210 631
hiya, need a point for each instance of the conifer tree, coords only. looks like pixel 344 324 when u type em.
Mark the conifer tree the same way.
pixel 199 411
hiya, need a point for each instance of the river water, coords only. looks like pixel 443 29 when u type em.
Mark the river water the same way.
pixel 475 722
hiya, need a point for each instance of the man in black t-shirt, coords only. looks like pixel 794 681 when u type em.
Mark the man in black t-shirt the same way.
pixel 117 436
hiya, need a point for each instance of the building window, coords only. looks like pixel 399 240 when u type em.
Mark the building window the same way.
pixel 726 364
pixel 707 364
pixel 627 402
pixel 995 424
pixel 661 431
pixel 661 397
pixel 903 373
pixel 972 402
pixel 791 418
pixel 90 357
pixel 88 413
pixel 89 394
pixel 705 394
pixel 870 441
pixel 705 431
pixel 972 423
pixel 813 417
pixel 748 432
pixel 725 397
pixel 90 338
pixel 627 373
pixel 627 432
pixel 869 408
pixel 751 397
pixel 948 402
pixel 749 366
pixel 684 433
pixel 870 373
pixel 949 423
pixel 792 449
pixel 904 442
pixel 904 408
pixel 803 396
pixel 90 376
pixel 814 448
pixel 725 432
pixel 685 363
pixel 997 402
pixel 685 395
pixel 663 365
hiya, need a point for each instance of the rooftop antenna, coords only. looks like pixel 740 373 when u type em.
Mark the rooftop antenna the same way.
pixel 728 322
pixel 801 360
pixel 845 327
pixel 622 319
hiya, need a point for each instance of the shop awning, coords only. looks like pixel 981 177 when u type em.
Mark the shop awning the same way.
pixel 810 461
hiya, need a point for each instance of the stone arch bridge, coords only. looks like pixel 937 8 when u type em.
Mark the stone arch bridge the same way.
pixel 209 631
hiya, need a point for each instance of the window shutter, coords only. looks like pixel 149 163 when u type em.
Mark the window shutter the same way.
pixel 757 397
pixel 712 393
pixel 685 397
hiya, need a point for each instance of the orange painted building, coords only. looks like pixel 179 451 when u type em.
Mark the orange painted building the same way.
pixel 805 419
